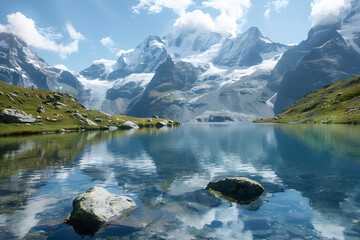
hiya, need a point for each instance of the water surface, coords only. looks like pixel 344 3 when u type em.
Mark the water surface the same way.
pixel 311 174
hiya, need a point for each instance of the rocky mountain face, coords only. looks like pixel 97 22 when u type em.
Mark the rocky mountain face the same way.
pixel 191 77
pixel 330 53
pixel 246 49
pixel 20 66
pixel 146 58
pixel 204 76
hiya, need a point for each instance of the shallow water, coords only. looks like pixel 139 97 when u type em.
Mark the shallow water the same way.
pixel 311 174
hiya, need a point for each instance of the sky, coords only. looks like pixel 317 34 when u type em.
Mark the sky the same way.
pixel 74 33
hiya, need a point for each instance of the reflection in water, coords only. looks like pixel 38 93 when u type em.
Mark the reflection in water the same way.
pixel 310 173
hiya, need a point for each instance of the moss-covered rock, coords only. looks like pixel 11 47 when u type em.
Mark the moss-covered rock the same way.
pixel 236 189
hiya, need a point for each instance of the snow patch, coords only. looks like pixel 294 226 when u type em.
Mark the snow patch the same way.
pixel 4 44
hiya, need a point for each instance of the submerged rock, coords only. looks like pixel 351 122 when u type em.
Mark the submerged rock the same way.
pixel 129 125
pixel 13 115
pixel 95 209
pixel 237 189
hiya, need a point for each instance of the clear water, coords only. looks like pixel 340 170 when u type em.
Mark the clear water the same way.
pixel 311 174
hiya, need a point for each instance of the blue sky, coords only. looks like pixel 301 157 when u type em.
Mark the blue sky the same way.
pixel 90 21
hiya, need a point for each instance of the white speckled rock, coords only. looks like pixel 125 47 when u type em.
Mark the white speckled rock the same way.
pixel 13 115
pixel 95 209
pixel 129 125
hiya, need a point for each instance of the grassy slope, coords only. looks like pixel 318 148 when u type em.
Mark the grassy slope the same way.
pixel 336 103
pixel 27 100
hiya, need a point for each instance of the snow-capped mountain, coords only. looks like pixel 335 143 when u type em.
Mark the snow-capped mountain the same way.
pixel 146 58
pixel 247 49
pixel 20 66
pixel 145 85
pixel 329 54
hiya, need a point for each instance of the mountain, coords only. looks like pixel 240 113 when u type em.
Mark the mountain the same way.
pixel 148 81
pixel 329 54
pixel 144 59
pixel 246 49
pixel 335 103
pixel 20 66
pixel 170 79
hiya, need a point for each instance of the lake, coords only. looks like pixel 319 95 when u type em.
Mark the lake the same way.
pixel 311 174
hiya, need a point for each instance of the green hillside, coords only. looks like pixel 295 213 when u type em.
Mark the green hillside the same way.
pixel 336 103
pixel 62 111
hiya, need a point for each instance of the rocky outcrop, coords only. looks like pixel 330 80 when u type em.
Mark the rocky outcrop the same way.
pixel 95 209
pixel 129 125
pixel 13 115
pixel 237 189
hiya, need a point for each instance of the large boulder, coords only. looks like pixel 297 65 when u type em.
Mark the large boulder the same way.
pixel 236 189
pixel 129 125
pixel 161 124
pixel 95 209
pixel 13 115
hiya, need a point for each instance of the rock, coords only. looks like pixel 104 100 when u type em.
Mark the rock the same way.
pixel 95 209
pixel 76 111
pixel 98 120
pixel 60 103
pixel 161 124
pixel 13 115
pixel 57 107
pixel 1 93
pixel 237 189
pixel 68 111
pixel 56 97
pixel 149 120
pixel 155 116
pixel 129 125
pixel 38 118
pixel 50 98
pixel 10 98
pixel 89 122
pixel 40 109
pixel 84 115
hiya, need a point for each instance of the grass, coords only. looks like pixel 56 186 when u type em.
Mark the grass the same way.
pixel 336 103
pixel 28 100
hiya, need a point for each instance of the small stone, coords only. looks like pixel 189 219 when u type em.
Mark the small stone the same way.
pixel 98 120
pixel 40 109
pixel 155 116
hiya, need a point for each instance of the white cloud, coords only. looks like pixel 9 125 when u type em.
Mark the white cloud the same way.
pixel 275 5
pixel 121 52
pixel 73 33
pixel 107 42
pixel 156 6
pixel 232 14
pixel 325 12
pixel 25 28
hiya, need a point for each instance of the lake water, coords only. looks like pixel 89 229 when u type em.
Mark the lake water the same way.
pixel 311 174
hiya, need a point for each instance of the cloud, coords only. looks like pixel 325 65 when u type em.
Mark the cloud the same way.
pixel 121 52
pixel 232 14
pixel 108 43
pixel 275 5
pixel 229 20
pixel 325 12
pixel 73 33
pixel 25 28
pixel 156 6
